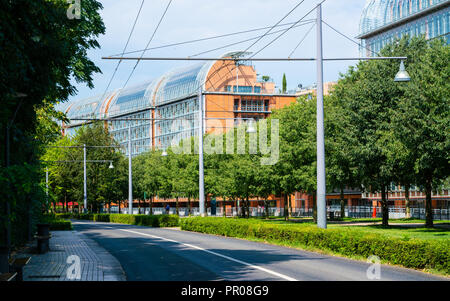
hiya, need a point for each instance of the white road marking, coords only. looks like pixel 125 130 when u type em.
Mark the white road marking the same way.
pixel 216 254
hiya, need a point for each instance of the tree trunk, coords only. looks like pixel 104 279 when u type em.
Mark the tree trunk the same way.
pixel 285 203
pixel 139 206
pixel 314 206
pixel 151 205
pixel 407 202
pixel 224 207
pixel 342 203
pixel 266 207
pixel 176 206
pixel 120 211
pixel 247 204
pixel 189 206
pixel 243 208
pixel 384 207
pixel 428 204
pixel 290 205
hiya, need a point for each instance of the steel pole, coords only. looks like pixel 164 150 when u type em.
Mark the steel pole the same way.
pixel 130 174
pixel 46 185
pixel 321 184
pixel 85 179
pixel 201 174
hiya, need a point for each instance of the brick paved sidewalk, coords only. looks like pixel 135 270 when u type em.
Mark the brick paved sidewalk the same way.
pixel 96 264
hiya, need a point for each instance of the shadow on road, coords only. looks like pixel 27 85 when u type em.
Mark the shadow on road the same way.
pixel 153 259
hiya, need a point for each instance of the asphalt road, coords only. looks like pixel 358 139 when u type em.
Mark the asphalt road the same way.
pixel 153 254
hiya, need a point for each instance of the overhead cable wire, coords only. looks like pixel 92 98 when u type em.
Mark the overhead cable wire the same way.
pixel 267 32
pixel 295 24
pixel 124 49
pixel 151 39
pixel 203 39
pixel 301 41
pixel 348 38
pixel 247 40
pixel 286 30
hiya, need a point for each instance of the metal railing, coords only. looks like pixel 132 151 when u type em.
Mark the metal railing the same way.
pixel 335 210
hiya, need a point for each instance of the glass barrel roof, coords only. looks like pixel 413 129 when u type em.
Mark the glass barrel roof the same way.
pixel 132 99
pixel 378 13
pixel 182 82
pixel 174 85
pixel 85 108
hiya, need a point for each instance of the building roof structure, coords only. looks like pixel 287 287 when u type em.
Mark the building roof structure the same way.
pixel 381 14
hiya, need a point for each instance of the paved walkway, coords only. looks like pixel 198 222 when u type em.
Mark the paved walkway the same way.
pixel 67 249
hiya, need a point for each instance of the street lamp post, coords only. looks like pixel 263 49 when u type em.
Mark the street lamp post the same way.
pixel 111 166
pixel 321 184
pixel 130 174
pixel 46 185
pixel 201 178
pixel 85 179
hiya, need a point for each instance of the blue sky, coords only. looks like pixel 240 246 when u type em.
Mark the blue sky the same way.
pixel 193 19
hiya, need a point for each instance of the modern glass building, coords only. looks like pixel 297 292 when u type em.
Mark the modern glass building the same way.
pixel 382 21
pixel 168 106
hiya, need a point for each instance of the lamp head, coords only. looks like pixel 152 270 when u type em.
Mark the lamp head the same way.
pixel 251 129
pixel 402 75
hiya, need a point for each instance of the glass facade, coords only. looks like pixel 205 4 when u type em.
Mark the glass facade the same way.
pixel 183 82
pixel 382 22
pixel 181 123
pixel 167 107
pixel 173 97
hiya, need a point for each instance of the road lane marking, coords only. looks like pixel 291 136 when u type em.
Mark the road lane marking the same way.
pixel 287 278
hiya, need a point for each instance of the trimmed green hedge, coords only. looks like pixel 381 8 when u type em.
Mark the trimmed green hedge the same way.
pixel 56 223
pixel 138 220
pixel 145 220
pixel 413 253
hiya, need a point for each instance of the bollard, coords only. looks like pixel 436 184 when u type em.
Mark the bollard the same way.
pixel 43 238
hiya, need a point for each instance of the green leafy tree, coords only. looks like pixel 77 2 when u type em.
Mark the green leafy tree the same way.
pixel 296 169
pixel 340 164
pixel 422 121
pixel 42 51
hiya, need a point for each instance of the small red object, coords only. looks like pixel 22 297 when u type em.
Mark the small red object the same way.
pixel 374 213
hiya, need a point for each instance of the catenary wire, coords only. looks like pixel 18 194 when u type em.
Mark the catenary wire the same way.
pixel 204 39
pixel 247 40
pixel 301 41
pixel 124 49
pixel 151 39
pixel 348 38
pixel 267 32
pixel 286 30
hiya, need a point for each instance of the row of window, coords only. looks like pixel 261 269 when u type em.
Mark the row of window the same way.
pixel 116 125
pixel 136 133
pixel 164 141
pixel 244 89
pixel 251 105
pixel 139 147
pixel 179 109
